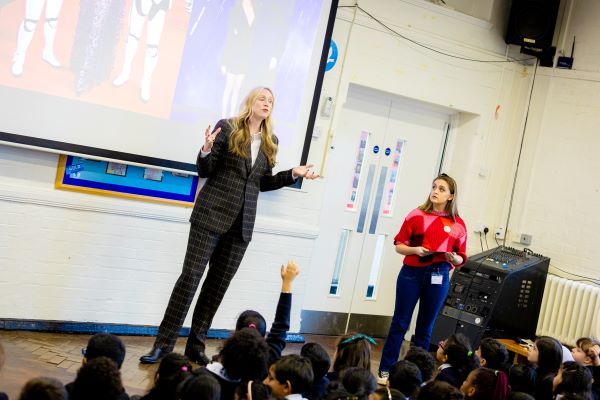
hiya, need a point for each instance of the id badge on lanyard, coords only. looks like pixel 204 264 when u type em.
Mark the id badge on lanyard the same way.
pixel 437 278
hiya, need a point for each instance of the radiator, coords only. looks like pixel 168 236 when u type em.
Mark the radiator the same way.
pixel 569 310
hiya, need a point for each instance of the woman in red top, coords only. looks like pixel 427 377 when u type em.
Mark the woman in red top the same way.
pixel 433 240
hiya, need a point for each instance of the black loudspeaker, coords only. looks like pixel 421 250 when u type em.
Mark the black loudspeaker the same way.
pixel 496 293
pixel 531 23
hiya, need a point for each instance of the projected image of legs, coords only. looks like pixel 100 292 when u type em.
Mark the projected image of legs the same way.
pixel 33 12
pixel 154 13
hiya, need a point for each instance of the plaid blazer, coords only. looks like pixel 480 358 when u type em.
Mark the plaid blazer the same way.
pixel 232 186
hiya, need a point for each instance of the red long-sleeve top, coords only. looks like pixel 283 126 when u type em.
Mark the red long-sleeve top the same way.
pixel 435 231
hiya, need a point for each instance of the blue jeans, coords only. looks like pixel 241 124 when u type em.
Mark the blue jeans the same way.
pixel 414 283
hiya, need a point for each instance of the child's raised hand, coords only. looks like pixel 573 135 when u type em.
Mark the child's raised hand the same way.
pixel 288 274
pixel 594 354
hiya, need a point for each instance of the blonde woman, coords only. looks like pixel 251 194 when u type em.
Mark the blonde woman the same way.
pixel 237 158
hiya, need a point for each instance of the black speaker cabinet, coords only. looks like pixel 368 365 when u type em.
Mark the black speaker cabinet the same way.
pixel 531 23
pixel 496 293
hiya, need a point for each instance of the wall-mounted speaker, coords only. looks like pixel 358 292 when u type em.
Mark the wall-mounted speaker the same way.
pixel 531 23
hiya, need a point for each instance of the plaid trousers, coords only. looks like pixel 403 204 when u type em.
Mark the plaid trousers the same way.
pixel 224 252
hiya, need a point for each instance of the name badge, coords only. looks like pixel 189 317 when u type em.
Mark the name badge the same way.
pixel 436 279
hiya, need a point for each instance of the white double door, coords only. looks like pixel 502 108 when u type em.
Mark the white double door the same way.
pixel 385 154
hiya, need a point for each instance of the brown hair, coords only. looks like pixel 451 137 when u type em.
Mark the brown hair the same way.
pixel 353 353
pixel 451 207
pixel 239 141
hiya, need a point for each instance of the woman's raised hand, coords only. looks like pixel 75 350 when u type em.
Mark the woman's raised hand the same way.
pixel 304 171
pixel 209 138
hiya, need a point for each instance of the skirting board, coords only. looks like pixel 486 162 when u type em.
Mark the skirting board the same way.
pixel 7 324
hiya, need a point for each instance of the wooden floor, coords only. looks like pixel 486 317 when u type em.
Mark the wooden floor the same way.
pixel 33 354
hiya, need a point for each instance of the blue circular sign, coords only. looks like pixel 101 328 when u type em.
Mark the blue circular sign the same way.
pixel 332 57
pixel 375 149
pixel 388 151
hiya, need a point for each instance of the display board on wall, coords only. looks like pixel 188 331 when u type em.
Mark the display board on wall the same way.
pixel 96 92
pixel 122 180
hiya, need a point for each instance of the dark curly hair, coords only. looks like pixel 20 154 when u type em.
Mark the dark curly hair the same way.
pixel 43 388
pixel 106 345
pixel 97 379
pixel 245 355
pixel 576 379
pixel 406 377
pixel 423 360
pixel 200 385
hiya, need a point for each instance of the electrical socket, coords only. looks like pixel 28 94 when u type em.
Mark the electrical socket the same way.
pixel 525 239
pixel 480 228
pixel 500 233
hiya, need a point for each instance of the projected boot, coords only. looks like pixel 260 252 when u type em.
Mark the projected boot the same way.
pixel 26 31
pixel 150 61
pixel 130 50
pixel 49 35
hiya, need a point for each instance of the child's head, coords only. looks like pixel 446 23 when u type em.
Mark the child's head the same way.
pixel 386 393
pixel 174 368
pixel 359 382
pixel 257 390
pixel 485 384
pixel 406 377
pixel 573 378
pixel 457 351
pixel 353 351
pixel 546 354
pixel 581 351
pixel 423 360
pixel 521 378
pixel 43 388
pixel 200 385
pixel 252 319
pixel 289 375
pixel 97 379
pixel 439 390
pixel 105 345
pixel 318 357
pixel 492 354
pixel 245 355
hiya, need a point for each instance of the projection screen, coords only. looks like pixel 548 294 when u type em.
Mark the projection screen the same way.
pixel 138 81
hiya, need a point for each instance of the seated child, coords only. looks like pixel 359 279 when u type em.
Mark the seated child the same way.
pixel 405 377
pixel 281 324
pixel 243 358
pixel 98 379
pixel 351 351
pixel 573 379
pixel 586 352
pixel 485 384
pixel 439 390
pixel 457 358
pixel 521 378
pixel 423 360
pixel 200 385
pixel 103 345
pixel 492 354
pixel 546 355
pixel 359 382
pixel 290 376
pixel 320 362
pixel 174 368
pixel 387 394
pixel 253 391
pixel 43 388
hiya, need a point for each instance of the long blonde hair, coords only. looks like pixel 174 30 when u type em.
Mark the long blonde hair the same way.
pixel 451 207
pixel 239 141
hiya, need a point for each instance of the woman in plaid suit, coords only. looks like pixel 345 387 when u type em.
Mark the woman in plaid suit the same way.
pixel 237 158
